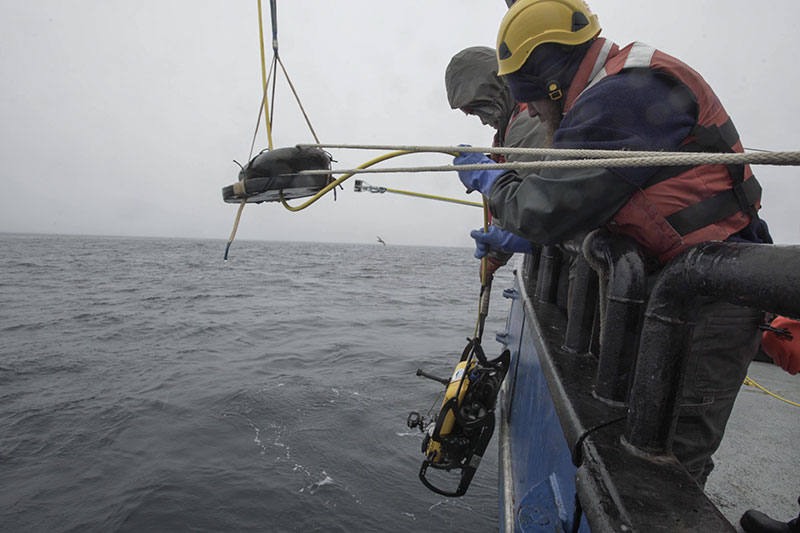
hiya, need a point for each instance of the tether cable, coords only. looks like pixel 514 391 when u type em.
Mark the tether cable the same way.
pixel 380 190
pixel 749 381
pixel 433 197
pixel 332 185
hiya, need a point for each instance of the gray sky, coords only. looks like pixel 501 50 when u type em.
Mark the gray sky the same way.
pixel 123 118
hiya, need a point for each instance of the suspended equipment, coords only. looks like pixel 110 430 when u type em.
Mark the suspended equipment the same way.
pixel 275 173
pixel 456 438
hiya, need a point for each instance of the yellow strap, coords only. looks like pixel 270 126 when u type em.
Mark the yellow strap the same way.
pixel 269 129
pixel 235 227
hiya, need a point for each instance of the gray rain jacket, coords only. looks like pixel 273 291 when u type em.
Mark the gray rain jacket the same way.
pixel 472 83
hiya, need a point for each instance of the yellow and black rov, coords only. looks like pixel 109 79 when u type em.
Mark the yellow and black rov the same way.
pixel 457 436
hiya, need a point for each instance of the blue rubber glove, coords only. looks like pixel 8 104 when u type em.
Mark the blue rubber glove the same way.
pixel 498 239
pixel 477 180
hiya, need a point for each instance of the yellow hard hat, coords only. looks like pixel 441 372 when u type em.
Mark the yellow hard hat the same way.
pixel 530 23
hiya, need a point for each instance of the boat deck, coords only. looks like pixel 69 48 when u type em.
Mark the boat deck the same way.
pixel 757 462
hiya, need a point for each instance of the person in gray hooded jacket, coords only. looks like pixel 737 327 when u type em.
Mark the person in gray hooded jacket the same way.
pixel 474 87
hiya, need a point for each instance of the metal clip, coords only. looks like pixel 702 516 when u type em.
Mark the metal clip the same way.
pixel 782 334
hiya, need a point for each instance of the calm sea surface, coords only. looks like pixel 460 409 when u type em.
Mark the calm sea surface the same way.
pixel 145 384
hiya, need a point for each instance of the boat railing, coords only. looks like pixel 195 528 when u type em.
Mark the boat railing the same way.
pixel 612 340
pixel 765 277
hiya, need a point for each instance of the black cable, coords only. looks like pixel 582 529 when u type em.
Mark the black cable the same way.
pixel 577 459
pixel 577 453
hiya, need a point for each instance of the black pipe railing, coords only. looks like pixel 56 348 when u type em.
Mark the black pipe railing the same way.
pixel 549 267
pixel 761 276
pixel 581 307
pixel 617 259
pixel 620 468
pixel 530 269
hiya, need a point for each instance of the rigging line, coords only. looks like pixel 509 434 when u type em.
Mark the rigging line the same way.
pixel 508 150
pixel 264 74
pixel 274 74
pixel 261 107
pixel 693 159
pixel 299 103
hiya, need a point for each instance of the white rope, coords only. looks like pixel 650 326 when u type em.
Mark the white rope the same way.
pixel 559 152
pixel 660 160
pixel 494 150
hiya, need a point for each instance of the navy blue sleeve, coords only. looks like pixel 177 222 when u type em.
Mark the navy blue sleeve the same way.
pixel 634 110
pixel 637 109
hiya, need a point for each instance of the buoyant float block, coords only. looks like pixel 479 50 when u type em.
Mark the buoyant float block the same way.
pixel 277 171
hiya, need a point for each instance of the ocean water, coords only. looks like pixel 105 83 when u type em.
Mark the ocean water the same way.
pixel 146 385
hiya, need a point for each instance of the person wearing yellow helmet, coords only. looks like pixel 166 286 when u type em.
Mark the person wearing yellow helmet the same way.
pixel 559 32
pixel 595 95
pixel 530 24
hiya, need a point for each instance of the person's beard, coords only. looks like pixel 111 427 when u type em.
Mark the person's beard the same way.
pixel 550 113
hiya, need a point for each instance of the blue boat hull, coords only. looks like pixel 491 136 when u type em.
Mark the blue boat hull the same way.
pixel 537 477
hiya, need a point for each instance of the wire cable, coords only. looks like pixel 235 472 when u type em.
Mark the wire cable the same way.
pixel 693 159
pixel 261 106
pixel 518 150
pixel 299 103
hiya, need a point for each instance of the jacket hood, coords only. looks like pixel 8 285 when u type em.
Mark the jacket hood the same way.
pixel 472 82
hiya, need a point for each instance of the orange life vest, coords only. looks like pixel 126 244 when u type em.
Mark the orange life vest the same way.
pixel 679 206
